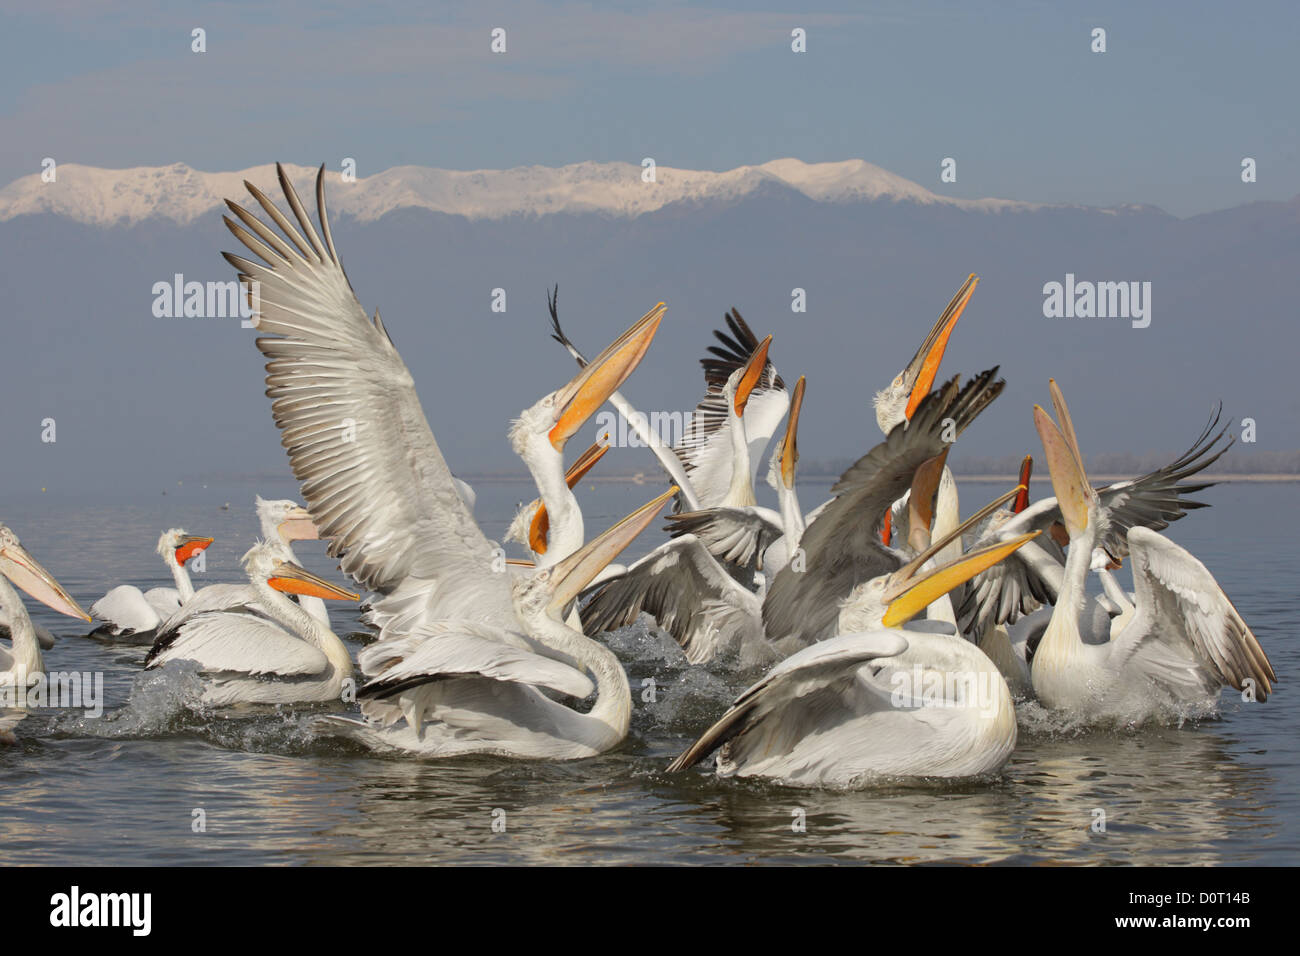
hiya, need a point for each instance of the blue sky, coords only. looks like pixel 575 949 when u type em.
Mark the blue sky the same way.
pixel 1012 91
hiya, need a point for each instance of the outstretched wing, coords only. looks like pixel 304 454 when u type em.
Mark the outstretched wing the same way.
pixel 737 535
pixel 371 473
pixel 705 449
pixel 688 594
pixel 1014 587
pixel 1178 600
pixel 842 546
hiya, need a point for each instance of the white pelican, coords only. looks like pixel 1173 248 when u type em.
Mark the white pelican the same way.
pixel 707 603
pixel 703 465
pixel 876 700
pixel 1185 640
pixel 897 401
pixel 23 658
pixel 246 658
pixel 462 687
pixel 282 522
pixel 842 546
pixel 893 405
pixel 371 473
pixel 126 611
pixel 1032 576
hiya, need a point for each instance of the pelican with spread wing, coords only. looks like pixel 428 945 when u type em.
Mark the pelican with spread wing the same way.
pixel 372 475
pixel 1184 640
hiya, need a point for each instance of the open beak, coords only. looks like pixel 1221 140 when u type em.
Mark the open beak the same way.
pixel 909 584
pixel 541 522
pixel 920 503
pixel 189 546
pixel 299 526
pixel 923 368
pixel 579 399
pixel 292 579
pixel 932 585
pixel 1069 480
pixel 753 372
pixel 1026 472
pixel 790 447
pixel 576 571
pixel 26 572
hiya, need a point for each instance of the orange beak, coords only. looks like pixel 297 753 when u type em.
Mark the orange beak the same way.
pixel 790 447
pixel 753 372
pixel 925 364
pixel 579 400
pixel 189 546
pixel 292 579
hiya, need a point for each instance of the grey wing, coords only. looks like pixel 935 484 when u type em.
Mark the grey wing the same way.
pixel 737 535
pixel 688 594
pixel 1158 498
pixel 1178 600
pixel 371 472
pixel 817 670
pixel 842 546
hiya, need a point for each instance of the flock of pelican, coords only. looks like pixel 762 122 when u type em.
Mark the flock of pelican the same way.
pixel 884 635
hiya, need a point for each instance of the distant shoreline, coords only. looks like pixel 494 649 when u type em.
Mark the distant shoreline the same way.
pixel 646 479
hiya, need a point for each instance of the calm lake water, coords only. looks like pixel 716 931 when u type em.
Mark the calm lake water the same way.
pixel 124 788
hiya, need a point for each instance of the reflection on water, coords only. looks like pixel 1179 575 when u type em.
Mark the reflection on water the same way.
pixel 124 789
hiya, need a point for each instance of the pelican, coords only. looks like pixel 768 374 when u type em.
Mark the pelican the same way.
pixel 707 603
pixel 897 401
pixel 705 465
pixel 876 700
pixel 281 522
pixel 893 405
pixel 1032 576
pixel 380 492
pixel 1184 640
pixel 126 611
pixel 462 687
pixel 287 657
pixel 44 636
pixel 842 546
pixel 23 659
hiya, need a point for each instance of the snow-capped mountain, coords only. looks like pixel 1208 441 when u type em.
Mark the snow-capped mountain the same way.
pixel 124 196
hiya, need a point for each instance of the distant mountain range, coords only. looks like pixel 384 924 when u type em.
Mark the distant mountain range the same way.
pixel 147 399
pixel 181 194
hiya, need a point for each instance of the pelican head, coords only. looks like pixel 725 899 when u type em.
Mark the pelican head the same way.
pixel 559 415
pixel 548 591
pixel 285 519
pixel 741 383
pixel 895 404
pixel 1075 495
pixel 780 472
pixel 181 546
pixel 263 562
pixel 26 572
